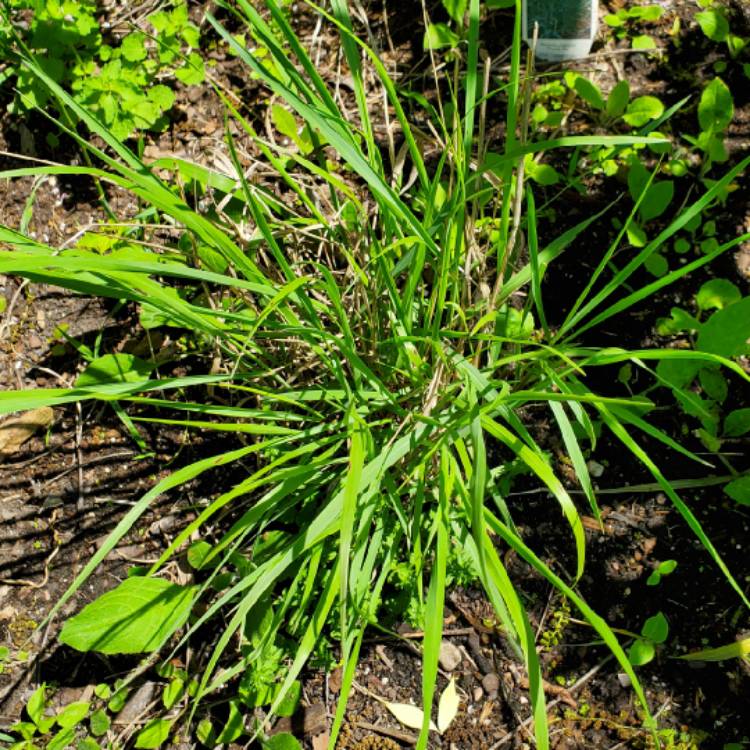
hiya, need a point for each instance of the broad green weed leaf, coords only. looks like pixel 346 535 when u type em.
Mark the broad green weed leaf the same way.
pixel 656 628
pixel 62 740
pixel 716 107
pixel 737 423
pixel 657 265
pixel 282 741
pixel 173 692
pixel 205 733
pixel 35 704
pixel 727 331
pixel 133 47
pixel 618 99
pixel 679 320
pixel 589 92
pixel 663 569
pixel 154 734
pixel 438 35
pixel 162 96
pixel 714 24
pixel 657 200
pixel 714 384
pixel 642 110
pixel 717 294
pixel 289 702
pixel 643 41
pixel 136 617
pixel 448 706
pixel 678 372
pixel 234 726
pixel 114 368
pixel 73 714
pixel 456 9
pixel 543 174
pixel 641 652
pixel 646 12
pixel 193 71
pixel 99 723
pixel 285 122
pixel 739 490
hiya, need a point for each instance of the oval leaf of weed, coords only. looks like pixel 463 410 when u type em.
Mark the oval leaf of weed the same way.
pixel 114 368
pixel 136 617
pixel 726 332
pixel 656 628
pixel 154 734
pixel 739 490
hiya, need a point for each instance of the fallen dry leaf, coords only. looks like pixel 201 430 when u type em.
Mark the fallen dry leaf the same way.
pixel 16 431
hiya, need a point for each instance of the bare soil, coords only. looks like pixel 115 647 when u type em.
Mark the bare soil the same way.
pixel 66 489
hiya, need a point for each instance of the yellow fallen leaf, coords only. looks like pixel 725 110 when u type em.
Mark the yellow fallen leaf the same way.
pixel 448 706
pixel 16 431
pixel 409 715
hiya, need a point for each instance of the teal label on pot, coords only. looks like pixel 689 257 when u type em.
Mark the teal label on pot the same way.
pixel 560 19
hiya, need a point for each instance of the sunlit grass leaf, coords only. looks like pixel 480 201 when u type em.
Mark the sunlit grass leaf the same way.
pixel 737 650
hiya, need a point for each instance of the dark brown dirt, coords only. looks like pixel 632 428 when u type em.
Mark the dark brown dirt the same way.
pixel 64 491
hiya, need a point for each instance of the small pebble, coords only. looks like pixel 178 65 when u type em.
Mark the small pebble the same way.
pixel 491 683
pixel 477 695
pixel 450 656
pixel 623 679
pixel 595 469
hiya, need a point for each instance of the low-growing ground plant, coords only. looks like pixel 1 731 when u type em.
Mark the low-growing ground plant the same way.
pixel 379 337
pixel 118 78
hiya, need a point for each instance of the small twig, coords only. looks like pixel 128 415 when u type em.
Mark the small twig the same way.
pixel 31 584
pixel 576 686
pixel 79 457
pixel 405 737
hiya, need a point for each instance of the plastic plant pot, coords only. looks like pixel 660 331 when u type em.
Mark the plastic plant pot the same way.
pixel 567 28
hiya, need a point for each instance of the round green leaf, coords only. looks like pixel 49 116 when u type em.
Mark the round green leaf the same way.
pixel 643 110
pixel 99 723
pixel 641 652
pixel 133 47
pixel 718 294
pixel 739 490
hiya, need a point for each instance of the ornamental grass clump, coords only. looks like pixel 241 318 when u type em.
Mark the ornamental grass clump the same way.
pixel 377 354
